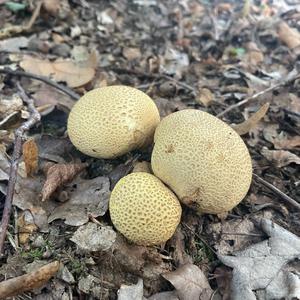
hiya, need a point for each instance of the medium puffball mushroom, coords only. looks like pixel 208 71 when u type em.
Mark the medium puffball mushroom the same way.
pixel 143 209
pixel 203 160
pixel 110 121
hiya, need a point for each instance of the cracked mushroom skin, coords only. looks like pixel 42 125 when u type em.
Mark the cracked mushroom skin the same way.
pixel 144 210
pixel 110 121
pixel 203 160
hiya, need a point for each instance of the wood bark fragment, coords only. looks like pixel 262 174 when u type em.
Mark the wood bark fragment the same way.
pixel 18 285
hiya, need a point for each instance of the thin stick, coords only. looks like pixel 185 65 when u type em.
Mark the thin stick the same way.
pixel 277 191
pixel 19 134
pixel 44 79
pixel 256 95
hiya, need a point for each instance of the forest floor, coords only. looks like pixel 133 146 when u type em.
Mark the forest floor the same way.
pixel 207 55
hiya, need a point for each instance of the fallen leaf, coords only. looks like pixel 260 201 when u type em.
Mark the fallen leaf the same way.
pixel 58 175
pixel 47 95
pixel 30 156
pixel 91 285
pixel 26 226
pixel 85 197
pixel 14 44
pixel 131 53
pixel 9 106
pixel 261 268
pixel 205 97
pixel 289 36
pixel 131 292
pixel 59 70
pixel 18 285
pixel 250 123
pixel 223 277
pixel 254 55
pixel 190 283
pixel 280 158
pixel 281 140
pixel 92 237
pixel 51 6
pixel 142 166
pixel 232 235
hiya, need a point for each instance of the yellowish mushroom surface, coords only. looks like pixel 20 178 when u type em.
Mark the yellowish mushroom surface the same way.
pixel 203 160
pixel 110 121
pixel 143 209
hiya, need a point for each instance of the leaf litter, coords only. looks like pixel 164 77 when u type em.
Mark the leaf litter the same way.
pixel 183 54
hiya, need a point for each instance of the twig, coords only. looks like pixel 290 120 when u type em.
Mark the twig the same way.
pixel 19 134
pixel 277 191
pixel 44 79
pixel 269 89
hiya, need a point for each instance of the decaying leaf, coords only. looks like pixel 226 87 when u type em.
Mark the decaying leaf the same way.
pixel 190 283
pixel 280 140
pixel 9 106
pixel 26 226
pixel 131 53
pixel 47 95
pixel 289 36
pixel 92 237
pixel 33 280
pixel 84 197
pixel 250 123
pixel 131 292
pixel 58 175
pixel 233 235
pixel 30 156
pixel 59 70
pixel 205 97
pixel 280 158
pixel 260 267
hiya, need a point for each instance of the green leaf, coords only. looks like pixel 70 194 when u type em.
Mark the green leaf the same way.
pixel 15 6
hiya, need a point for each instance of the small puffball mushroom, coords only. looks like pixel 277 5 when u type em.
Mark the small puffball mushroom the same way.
pixel 203 160
pixel 143 209
pixel 110 121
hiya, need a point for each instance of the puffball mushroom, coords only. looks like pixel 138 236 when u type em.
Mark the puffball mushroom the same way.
pixel 203 160
pixel 110 121
pixel 143 209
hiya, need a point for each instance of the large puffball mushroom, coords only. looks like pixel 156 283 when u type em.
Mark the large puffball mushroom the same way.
pixel 203 160
pixel 143 209
pixel 110 121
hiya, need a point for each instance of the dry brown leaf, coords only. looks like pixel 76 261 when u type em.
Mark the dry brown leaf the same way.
pixel 280 158
pixel 250 123
pixel 33 280
pixel 51 6
pixel 190 283
pixel 59 70
pixel 30 156
pixel 205 97
pixel 25 227
pixel 280 140
pixel 288 35
pixel 131 53
pixel 58 175
pixel 254 55
pixel 142 166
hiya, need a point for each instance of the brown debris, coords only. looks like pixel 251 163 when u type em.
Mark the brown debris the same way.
pixel 58 175
pixel 250 123
pixel 18 285
pixel 30 156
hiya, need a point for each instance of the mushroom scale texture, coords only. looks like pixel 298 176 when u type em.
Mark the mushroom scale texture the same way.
pixel 144 210
pixel 110 121
pixel 203 160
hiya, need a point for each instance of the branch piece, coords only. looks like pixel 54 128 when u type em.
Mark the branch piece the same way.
pixel 19 135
